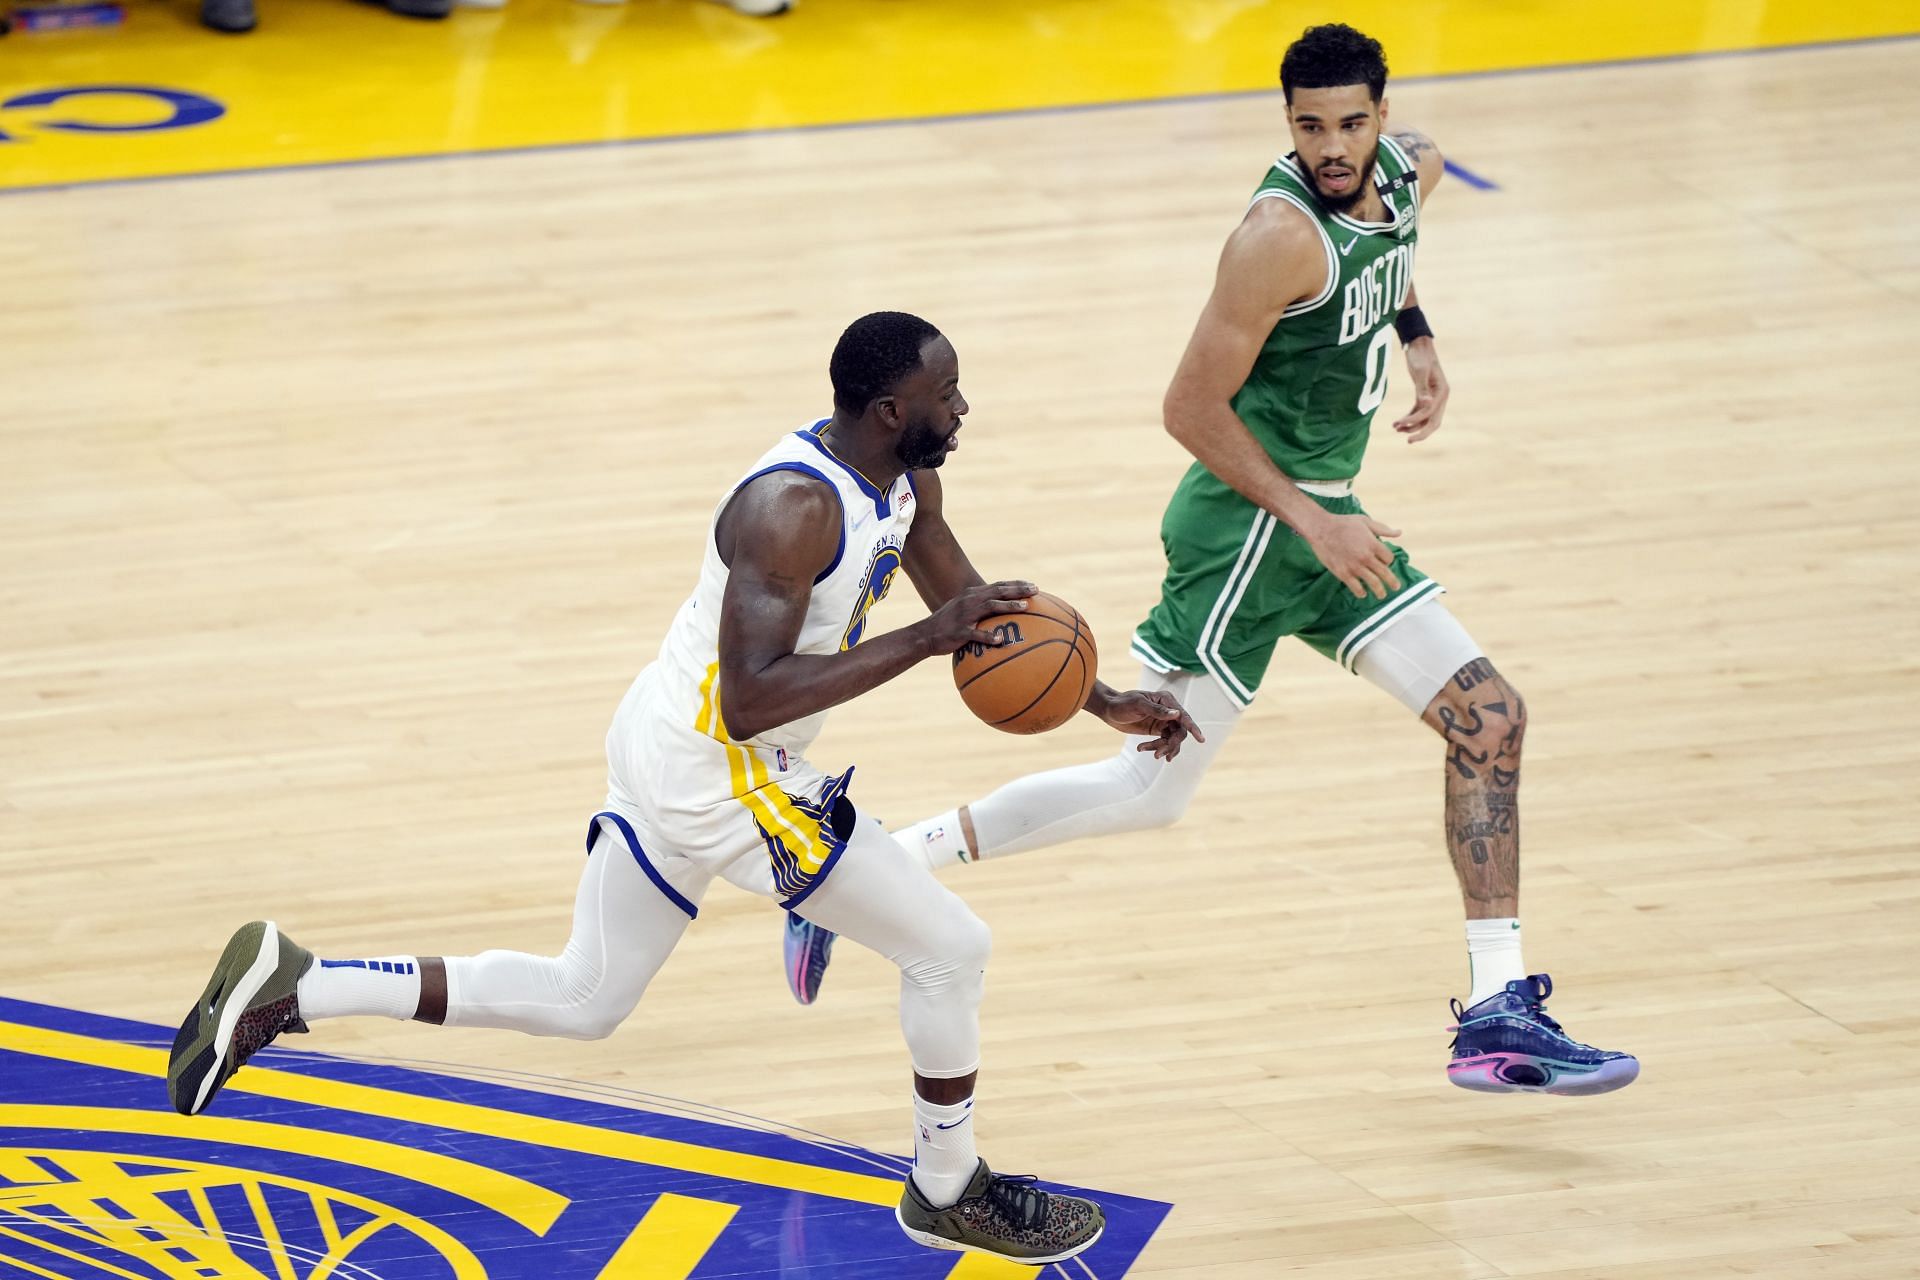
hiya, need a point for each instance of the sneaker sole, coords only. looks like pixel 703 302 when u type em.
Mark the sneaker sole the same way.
pixel 797 976
pixel 1485 1075
pixel 932 1241
pixel 197 1065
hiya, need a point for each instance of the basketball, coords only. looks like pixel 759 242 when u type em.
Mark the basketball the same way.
pixel 1037 676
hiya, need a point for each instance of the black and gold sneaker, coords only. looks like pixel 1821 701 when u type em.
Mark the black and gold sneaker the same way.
pixel 251 998
pixel 1008 1217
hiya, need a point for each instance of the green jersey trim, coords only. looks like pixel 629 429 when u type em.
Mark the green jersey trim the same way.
pixel 1291 166
pixel 1252 551
pixel 1347 654
pixel 1149 656
pixel 1406 163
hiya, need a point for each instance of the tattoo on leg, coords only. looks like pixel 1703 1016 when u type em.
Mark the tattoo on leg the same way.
pixel 1466 761
pixel 1452 726
pixel 1476 672
pixel 1484 740
pixel 1517 730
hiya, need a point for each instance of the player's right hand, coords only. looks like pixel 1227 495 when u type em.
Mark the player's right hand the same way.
pixel 1350 547
pixel 955 624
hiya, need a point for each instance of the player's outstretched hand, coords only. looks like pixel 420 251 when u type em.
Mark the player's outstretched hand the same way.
pixel 1350 548
pixel 955 623
pixel 1159 716
pixel 1430 392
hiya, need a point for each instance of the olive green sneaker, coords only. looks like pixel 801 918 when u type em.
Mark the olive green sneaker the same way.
pixel 250 999
pixel 1007 1217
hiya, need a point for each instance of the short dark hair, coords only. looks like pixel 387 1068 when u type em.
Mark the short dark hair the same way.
pixel 1333 55
pixel 873 355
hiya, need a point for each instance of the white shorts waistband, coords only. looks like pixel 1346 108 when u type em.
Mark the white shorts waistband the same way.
pixel 1325 488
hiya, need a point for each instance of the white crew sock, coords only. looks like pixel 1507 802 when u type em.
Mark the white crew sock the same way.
pixel 1493 955
pixel 943 1154
pixel 385 988
pixel 939 840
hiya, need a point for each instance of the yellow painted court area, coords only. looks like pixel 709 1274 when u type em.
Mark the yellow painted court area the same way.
pixel 459 1117
pixel 326 81
pixel 672 1238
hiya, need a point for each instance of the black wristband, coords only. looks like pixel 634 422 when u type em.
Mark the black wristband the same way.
pixel 1412 323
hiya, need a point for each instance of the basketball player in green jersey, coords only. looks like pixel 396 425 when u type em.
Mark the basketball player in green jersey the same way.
pixel 1264 540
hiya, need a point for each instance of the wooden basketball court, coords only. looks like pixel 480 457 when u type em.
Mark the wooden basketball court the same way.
pixel 340 505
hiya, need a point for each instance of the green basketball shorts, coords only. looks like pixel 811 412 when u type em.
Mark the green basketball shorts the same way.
pixel 1238 581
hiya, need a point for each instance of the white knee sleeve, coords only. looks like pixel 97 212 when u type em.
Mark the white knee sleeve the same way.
pixel 1416 654
pixel 623 930
pixel 894 906
pixel 1130 791
pixel 940 996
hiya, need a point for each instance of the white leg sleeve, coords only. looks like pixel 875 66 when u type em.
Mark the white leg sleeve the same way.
pixel 894 906
pixel 1131 791
pixel 1415 655
pixel 623 930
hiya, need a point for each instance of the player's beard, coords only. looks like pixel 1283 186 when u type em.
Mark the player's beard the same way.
pixel 1363 183
pixel 922 446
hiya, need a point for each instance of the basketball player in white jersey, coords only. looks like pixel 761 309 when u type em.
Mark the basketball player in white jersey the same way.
pixel 708 776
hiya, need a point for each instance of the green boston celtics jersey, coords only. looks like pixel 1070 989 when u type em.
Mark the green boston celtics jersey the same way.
pixel 1322 372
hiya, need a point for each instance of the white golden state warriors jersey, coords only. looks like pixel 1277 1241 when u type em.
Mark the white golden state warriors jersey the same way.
pixel 672 764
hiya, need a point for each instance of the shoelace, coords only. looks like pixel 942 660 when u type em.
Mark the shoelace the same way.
pixel 1540 986
pixel 1015 1197
pixel 1539 1011
pixel 1536 1007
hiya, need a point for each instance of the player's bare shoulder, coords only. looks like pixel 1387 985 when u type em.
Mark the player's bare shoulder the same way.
pixel 785 499
pixel 1279 227
pixel 782 512
pixel 1277 252
pixel 1425 155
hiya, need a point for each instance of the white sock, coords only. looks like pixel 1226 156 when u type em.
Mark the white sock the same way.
pixel 1493 955
pixel 943 1154
pixel 385 988
pixel 938 840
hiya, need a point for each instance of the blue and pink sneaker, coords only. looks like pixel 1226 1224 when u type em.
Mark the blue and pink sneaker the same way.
pixel 808 948
pixel 1508 1044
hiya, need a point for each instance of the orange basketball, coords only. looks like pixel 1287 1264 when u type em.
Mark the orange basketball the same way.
pixel 1040 673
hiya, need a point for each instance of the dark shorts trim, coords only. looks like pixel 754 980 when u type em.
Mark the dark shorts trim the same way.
pixel 646 864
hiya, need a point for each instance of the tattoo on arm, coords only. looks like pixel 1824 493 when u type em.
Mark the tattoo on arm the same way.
pixel 1415 143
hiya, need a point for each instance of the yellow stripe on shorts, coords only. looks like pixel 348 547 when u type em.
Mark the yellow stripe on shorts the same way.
pixel 771 808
